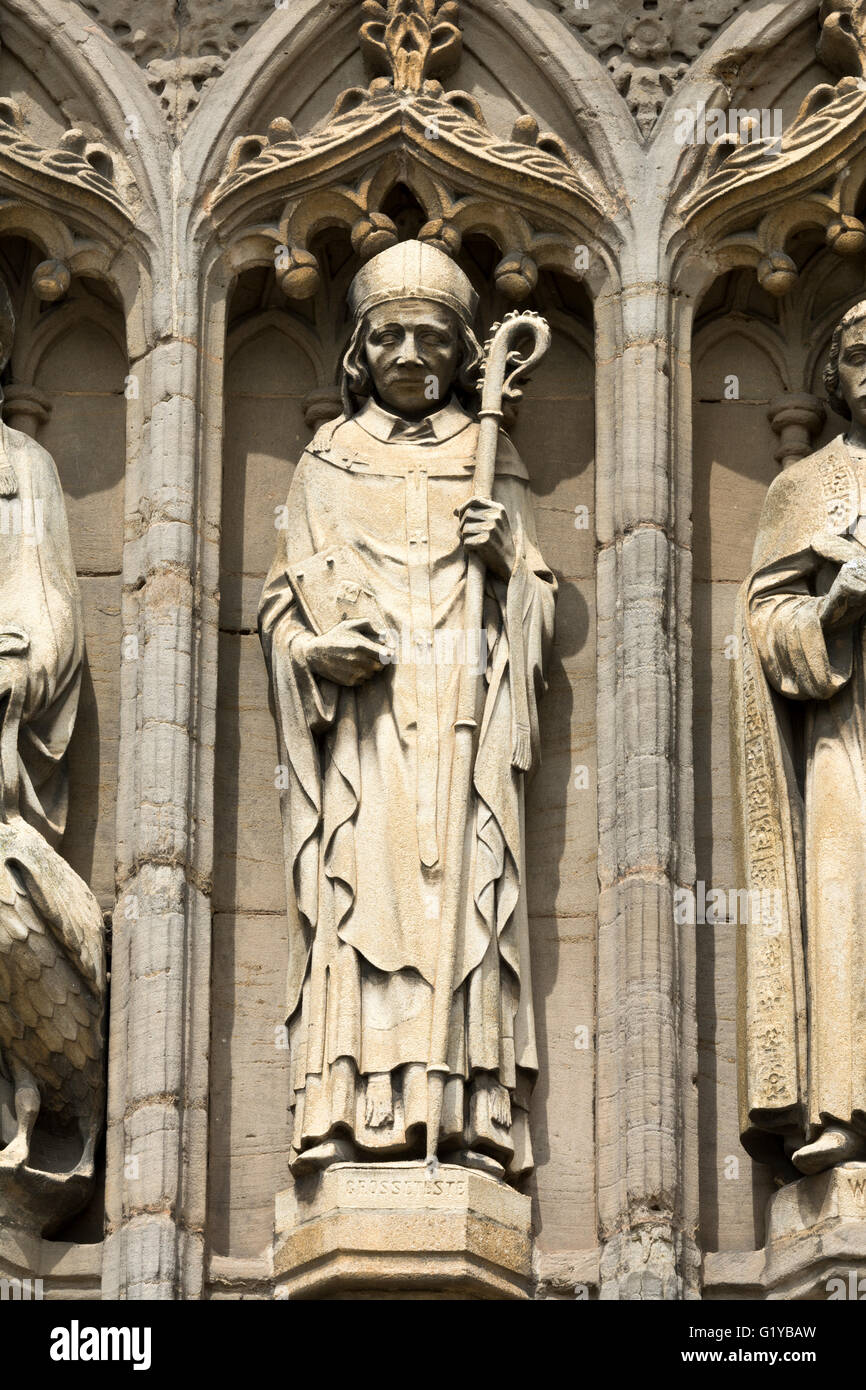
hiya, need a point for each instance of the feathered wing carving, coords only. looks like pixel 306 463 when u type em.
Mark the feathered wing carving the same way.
pixel 52 978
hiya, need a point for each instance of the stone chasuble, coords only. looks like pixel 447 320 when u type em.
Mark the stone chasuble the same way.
pixel 365 809
pixel 799 754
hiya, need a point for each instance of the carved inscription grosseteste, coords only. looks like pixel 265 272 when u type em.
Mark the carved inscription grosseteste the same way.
pixel 410 1189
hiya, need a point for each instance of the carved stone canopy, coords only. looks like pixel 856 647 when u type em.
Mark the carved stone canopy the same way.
pixel 67 199
pixel 525 192
pixel 756 193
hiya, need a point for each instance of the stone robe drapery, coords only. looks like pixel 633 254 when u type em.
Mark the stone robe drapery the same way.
pixel 799 761
pixel 365 810
pixel 39 594
pixel 51 930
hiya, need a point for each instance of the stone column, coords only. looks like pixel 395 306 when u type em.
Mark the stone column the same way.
pixel 25 408
pixel 646 1045
pixel 158 1071
pixel 797 417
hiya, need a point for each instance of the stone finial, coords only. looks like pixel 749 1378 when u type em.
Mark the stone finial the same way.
pixel 51 280
pixel 777 273
pixel 842 44
pixel 411 39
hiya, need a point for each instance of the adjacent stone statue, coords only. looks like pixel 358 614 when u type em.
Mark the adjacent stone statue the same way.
pixel 799 754
pixel 52 961
pixel 363 622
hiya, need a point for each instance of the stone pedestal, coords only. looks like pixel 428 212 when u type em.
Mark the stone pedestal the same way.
pixel 395 1230
pixel 816 1236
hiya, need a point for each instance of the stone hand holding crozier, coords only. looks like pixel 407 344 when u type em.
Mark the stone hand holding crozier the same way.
pixel 52 963
pixel 408 356
pixel 381 909
pixel 799 756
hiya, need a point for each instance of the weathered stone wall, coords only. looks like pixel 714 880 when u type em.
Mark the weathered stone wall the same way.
pixel 172 383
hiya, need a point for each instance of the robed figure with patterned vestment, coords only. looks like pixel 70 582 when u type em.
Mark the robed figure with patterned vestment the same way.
pixel 799 760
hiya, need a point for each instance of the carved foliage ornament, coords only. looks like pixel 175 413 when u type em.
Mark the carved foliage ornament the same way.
pixel 453 117
pixel 76 160
pixel 647 48
pixel 182 48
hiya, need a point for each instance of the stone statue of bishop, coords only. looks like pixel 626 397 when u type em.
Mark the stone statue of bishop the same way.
pixel 379 521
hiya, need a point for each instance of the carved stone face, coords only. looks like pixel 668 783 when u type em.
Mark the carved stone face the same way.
pixel 852 370
pixel 412 347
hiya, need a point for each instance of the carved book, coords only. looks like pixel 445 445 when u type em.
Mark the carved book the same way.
pixel 331 586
